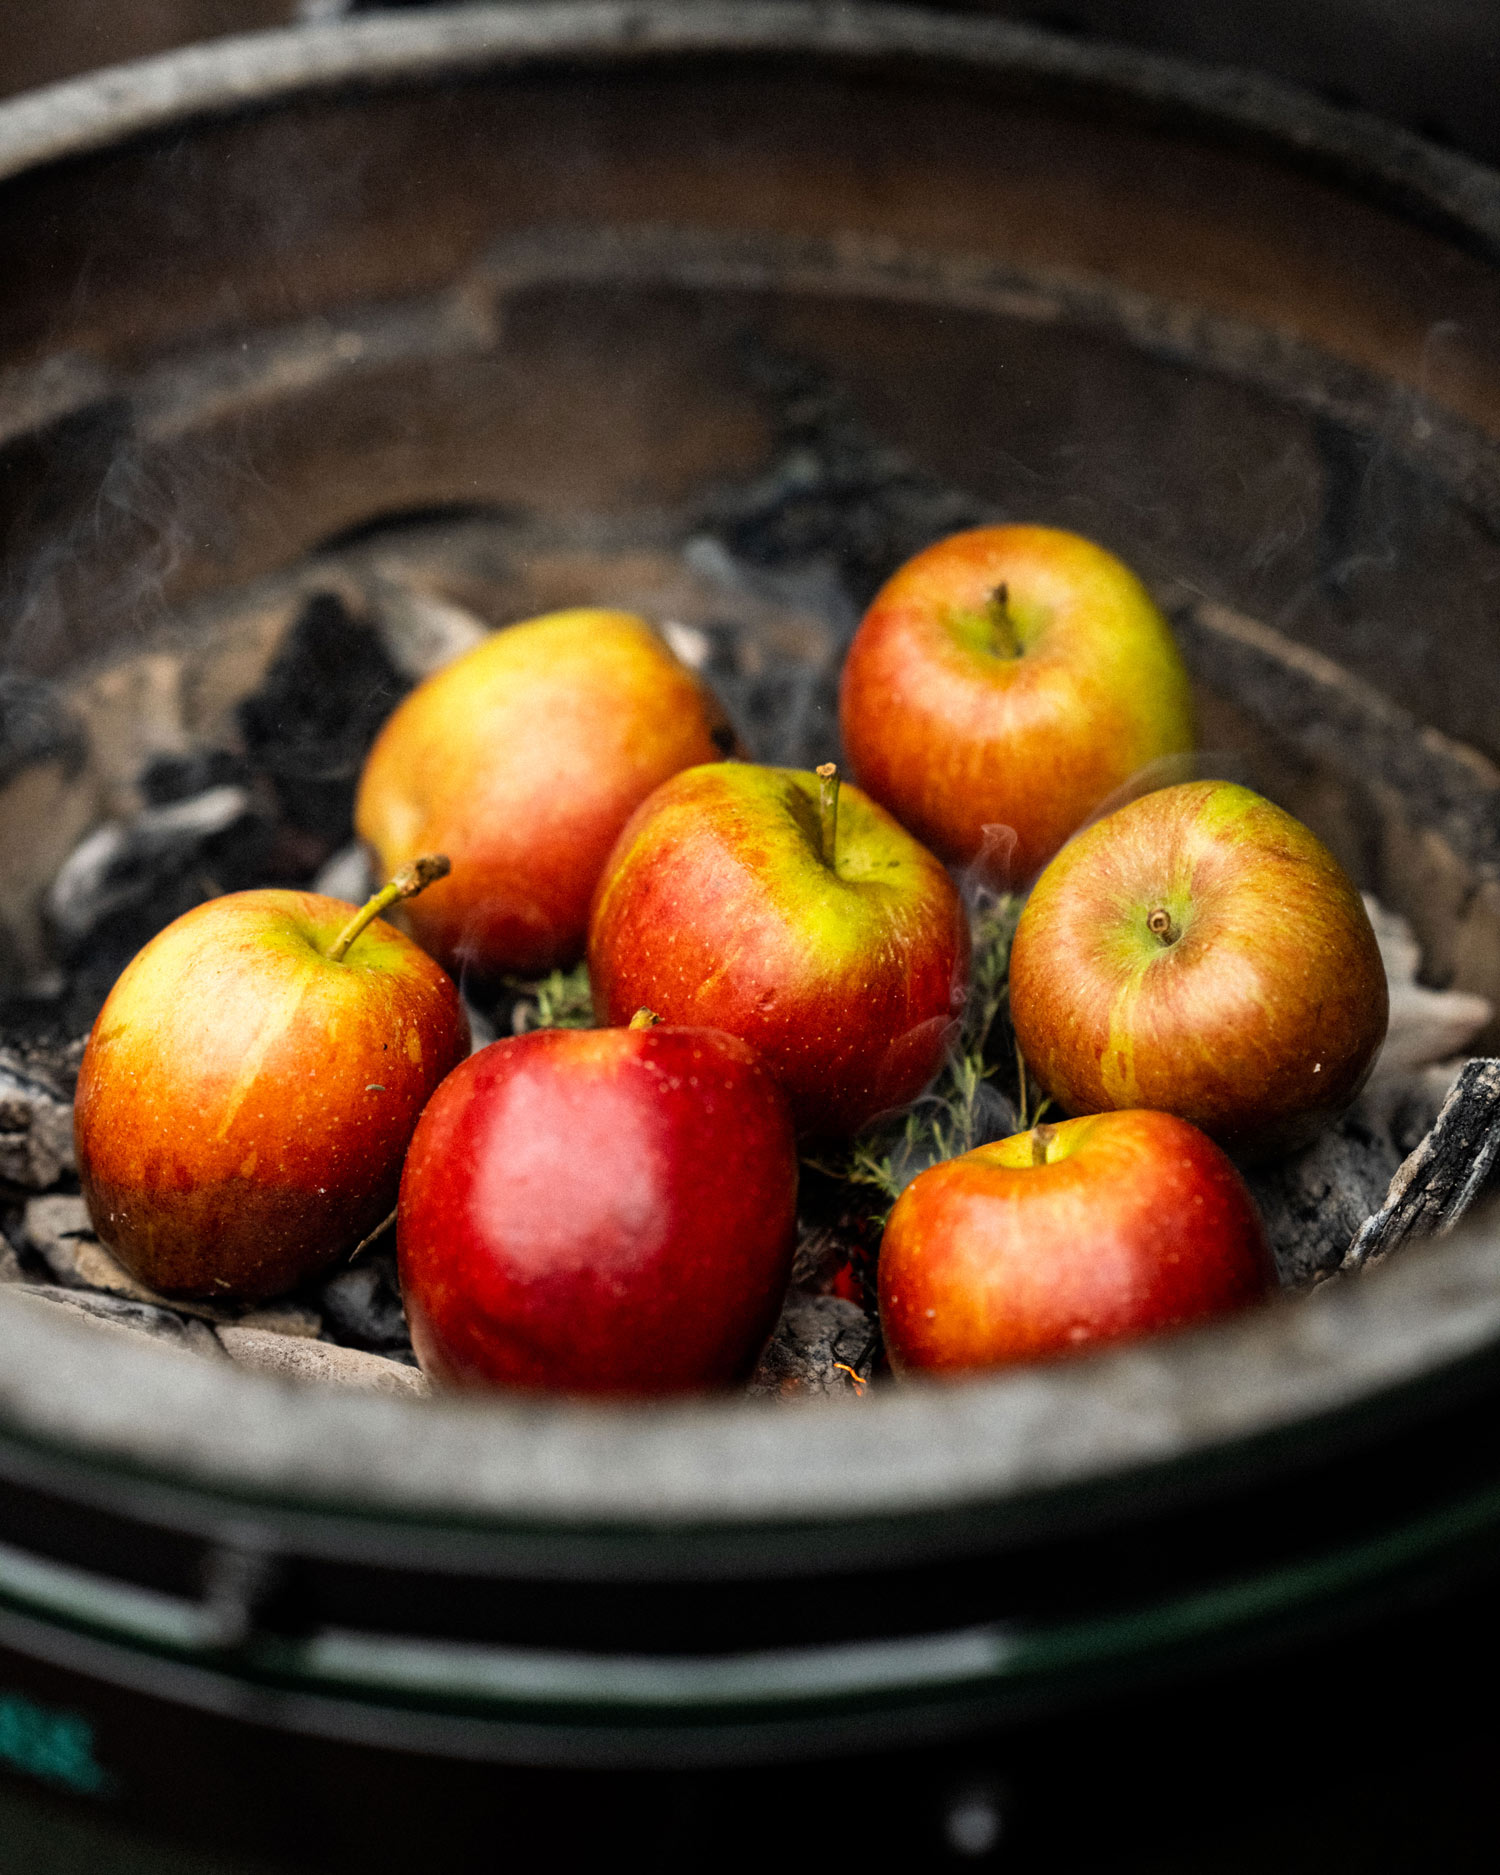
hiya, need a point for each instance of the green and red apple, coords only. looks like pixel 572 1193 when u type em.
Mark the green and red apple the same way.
pixel 1200 951
pixel 767 903
pixel 1065 1239
pixel 522 760
pixel 602 1211
pixel 1010 677
pixel 250 1086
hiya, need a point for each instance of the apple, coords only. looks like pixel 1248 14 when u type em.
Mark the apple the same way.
pixel 1200 951
pixel 599 1211
pixel 1067 1238
pixel 1009 677
pixel 250 1085
pixel 522 760
pixel 763 902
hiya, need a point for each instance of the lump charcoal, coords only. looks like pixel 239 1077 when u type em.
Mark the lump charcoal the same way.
pixel 137 875
pixel 36 1127
pixel 1436 1184
pixel 309 726
pixel 1315 1200
pixel 290 1357
pixel 816 1340
pixel 362 1306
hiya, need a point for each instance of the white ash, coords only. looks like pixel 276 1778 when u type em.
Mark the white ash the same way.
pixel 162 1324
pixel 1425 1025
pixel 421 631
pixel 295 1358
pixel 349 875
pixel 36 1127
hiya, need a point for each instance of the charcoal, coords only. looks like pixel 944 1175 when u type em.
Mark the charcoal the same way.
pixel 294 1358
pixel 36 1127
pixel 362 1305
pixel 124 1312
pixel 821 1345
pixel 137 874
pixel 309 726
pixel 178 777
pixel 1314 1201
pixel 835 492
pixel 1438 1182
pixel 35 726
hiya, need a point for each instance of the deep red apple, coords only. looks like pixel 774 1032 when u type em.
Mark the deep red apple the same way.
pixel 1009 676
pixel 1067 1238
pixel 250 1086
pixel 765 902
pixel 599 1211
pixel 522 761
pixel 1200 951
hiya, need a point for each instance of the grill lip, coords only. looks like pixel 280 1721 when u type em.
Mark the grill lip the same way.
pixel 1207 1405
pixel 1441 188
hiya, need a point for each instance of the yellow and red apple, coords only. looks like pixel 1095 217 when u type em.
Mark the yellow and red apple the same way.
pixel 1064 1239
pixel 1010 677
pixel 1200 951
pixel 248 1091
pixel 763 902
pixel 522 760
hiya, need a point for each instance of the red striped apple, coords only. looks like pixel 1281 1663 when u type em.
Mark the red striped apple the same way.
pixel 1067 1238
pixel 599 1211
pixel 1200 951
pixel 250 1086
pixel 764 902
pixel 1010 676
pixel 522 760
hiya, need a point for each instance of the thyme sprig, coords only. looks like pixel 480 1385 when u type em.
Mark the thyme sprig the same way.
pixel 961 1109
pixel 560 1000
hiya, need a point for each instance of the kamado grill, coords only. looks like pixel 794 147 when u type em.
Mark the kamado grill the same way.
pixel 322 351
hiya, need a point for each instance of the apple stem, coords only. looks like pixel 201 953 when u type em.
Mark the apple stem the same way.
pixel 410 880
pixel 1007 638
pixel 828 809
pixel 1161 924
pixel 643 1019
pixel 1041 1138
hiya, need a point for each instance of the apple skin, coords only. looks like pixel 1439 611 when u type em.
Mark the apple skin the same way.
pixel 1259 1023
pixel 1135 1223
pixel 244 1102
pixel 599 1211
pixel 716 908
pixel 955 736
pixel 522 760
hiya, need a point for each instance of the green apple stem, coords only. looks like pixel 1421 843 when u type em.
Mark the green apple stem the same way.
pixel 828 811
pixel 1161 924
pixel 643 1019
pixel 1007 638
pixel 411 879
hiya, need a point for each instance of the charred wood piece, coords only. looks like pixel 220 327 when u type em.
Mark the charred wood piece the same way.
pixel 36 1127
pixel 1436 1184
pixel 822 1345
